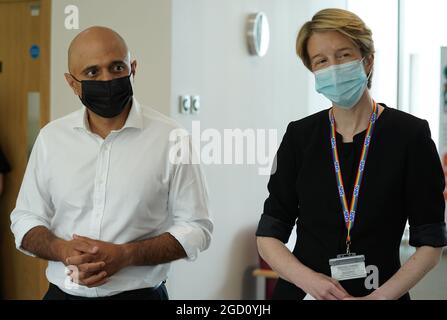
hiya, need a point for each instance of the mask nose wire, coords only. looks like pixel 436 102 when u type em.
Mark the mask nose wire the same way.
pixel 335 65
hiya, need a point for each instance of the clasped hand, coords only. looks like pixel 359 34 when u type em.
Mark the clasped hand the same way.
pixel 92 262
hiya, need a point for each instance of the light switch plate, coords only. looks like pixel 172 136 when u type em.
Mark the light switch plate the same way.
pixel 185 104
pixel 195 104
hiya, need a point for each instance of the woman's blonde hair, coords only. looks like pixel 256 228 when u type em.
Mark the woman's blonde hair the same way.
pixel 343 21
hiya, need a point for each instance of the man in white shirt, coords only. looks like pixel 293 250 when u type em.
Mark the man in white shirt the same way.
pixel 102 199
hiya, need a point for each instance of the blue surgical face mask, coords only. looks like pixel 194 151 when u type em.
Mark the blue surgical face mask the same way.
pixel 343 84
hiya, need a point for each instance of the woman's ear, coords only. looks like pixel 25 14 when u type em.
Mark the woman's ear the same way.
pixel 369 63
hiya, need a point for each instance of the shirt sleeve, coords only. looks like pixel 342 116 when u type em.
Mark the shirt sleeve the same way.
pixel 281 209
pixel 4 165
pixel 33 203
pixel 425 183
pixel 188 204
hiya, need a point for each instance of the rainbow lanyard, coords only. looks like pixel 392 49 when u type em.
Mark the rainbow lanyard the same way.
pixel 349 215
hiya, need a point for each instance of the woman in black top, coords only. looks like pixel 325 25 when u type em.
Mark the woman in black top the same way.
pixel 4 168
pixel 403 180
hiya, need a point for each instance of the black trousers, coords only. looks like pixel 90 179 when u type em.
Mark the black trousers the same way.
pixel 159 293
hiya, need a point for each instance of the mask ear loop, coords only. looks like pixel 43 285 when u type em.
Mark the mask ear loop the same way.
pixel 370 73
pixel 75 78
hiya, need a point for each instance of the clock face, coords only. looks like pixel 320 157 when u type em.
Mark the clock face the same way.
pixel 258 34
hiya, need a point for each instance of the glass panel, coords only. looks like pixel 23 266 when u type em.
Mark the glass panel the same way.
pixel 33 119
pixel 423 34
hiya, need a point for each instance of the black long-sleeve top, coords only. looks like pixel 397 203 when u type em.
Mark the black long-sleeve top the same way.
pixel 403 180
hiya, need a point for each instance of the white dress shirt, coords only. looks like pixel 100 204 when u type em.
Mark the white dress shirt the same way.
pixel 120 189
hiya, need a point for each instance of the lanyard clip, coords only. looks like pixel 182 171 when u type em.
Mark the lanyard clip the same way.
pixel 348 247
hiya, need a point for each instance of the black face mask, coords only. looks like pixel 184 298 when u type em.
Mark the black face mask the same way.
pixel 107 99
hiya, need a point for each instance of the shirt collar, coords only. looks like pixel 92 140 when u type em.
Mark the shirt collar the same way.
pixel 134 119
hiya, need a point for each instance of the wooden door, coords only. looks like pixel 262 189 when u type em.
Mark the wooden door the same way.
pixel 24 75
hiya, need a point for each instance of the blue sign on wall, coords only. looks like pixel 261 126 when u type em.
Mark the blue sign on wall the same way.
pixel 34 51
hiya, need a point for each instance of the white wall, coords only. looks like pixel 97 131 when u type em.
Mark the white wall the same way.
pixel 384 25
pixel 146 26
pixel 210 58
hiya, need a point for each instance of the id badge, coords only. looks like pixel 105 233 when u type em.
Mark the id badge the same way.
pixel 348 266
